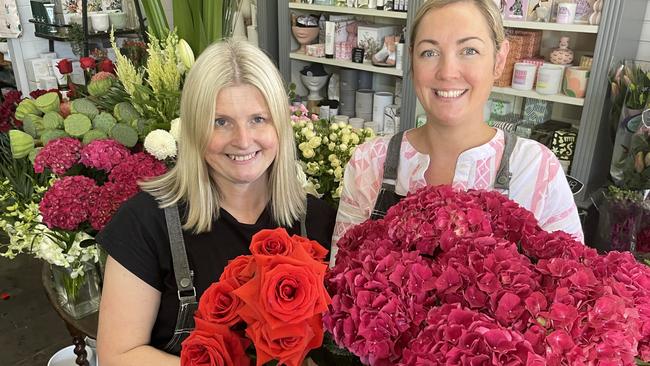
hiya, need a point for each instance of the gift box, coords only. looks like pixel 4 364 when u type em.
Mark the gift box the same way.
pixel 507 123
pixel 315 50
pixel 563 145
pixel 501 107
pixel 37 68
pixel 371 37
pixel 524 129
pixel 537 111
pixel 543 133
pixel 523 45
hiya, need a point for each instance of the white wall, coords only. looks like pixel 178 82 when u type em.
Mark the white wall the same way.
pixel 644 44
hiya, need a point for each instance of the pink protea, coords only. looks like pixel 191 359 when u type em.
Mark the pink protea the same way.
pixel 103 154
pixel 137 167
pixel 66 204
pixel 58 155
pixel 102 75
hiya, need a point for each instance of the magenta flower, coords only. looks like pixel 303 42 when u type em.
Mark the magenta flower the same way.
pixel 66 204
pixel 134 168
pixel 106 200
pixel 103 154
pixel 58 155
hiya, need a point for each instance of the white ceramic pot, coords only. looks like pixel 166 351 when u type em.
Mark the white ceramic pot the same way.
pixel 100 22
pixel 118 20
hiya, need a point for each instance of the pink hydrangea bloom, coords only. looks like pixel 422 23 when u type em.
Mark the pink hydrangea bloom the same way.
pixel 137 167
pixel 103 154
pixel 106 200
pixel 469 277
pixel 66 204
pixel 58 155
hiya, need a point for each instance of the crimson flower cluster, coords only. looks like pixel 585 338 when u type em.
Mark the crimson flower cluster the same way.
pixel 469 278
pixel 75 199
pixel 273 299
pixel 7 111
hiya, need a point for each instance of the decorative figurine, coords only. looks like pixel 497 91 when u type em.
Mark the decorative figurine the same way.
pixel 562 55
pixel 594 18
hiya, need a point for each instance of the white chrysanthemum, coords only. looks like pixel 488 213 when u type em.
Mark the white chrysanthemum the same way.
pixel 175 128
pixel 161 144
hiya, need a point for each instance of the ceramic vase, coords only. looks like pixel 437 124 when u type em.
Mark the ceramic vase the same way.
pixel 562 55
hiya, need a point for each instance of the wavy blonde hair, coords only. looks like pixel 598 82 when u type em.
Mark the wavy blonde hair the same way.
pixel 222 65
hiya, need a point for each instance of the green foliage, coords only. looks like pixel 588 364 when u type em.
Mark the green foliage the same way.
pixel 19 172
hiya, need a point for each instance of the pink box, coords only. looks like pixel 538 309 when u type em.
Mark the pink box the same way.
pixel 514 9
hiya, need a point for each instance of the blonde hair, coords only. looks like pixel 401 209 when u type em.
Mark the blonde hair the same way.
pixel 222 65
pixel 488 8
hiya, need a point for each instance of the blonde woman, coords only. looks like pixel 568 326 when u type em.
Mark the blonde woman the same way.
pixel 235 175
pixel 458 48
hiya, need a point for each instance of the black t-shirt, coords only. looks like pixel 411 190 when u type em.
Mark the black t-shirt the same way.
pixel 137 238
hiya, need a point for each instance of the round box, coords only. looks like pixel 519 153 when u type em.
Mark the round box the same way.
pixel 549 79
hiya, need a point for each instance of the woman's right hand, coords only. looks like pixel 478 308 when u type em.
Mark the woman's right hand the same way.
pixel 127 313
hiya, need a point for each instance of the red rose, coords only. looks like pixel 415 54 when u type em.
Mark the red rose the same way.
pixel 241 269
pixel 288 344
pixel 107 66
pixel 271 242
pixel 213 345
pixel 64 66
pixel 312 247
pixel 219 305
pixel 87 63
pixel 285 290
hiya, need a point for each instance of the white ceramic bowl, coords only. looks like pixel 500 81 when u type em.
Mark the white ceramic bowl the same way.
pixel 66 357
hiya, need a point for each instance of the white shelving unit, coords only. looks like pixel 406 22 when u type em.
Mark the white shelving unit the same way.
pixel 572 28
pixel 558 98
pixel 347 10
pixel 366 66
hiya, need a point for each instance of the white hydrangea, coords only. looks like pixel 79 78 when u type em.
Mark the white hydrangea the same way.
pixel 161 144
pixel 175 128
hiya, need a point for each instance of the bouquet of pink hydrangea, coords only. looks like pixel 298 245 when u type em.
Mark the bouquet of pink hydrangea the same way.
pixel 95 180
pixel 469 278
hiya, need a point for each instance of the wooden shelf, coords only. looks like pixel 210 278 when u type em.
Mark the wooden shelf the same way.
pixel 349 10
pixel 346 64
pixel 574 28
pixel 559 98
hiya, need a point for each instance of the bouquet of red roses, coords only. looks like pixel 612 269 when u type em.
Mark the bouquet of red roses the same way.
pixel 469 278
pixel 274 298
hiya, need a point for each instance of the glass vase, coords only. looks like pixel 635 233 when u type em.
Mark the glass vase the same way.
pixel 629 122
pixel 77 294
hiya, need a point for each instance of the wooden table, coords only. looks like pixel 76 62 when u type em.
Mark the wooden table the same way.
pixel 78 328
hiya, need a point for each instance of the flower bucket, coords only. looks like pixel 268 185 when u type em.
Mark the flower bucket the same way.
pixel 77 293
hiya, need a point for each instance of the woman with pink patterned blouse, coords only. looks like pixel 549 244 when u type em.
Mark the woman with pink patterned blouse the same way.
pixel 457 48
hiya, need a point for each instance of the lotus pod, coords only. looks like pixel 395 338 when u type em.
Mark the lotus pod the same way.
pixel 104 122
pixel 85 107
pixel 97 88
pixel 124 134
pixel 49 135
pixel 33 153
pixel 93 135
pixel 77 124
pixel 52 121
pixel 48 102
pixel 21 143
pixel 125 112
pixel 33 125
pixel 27 106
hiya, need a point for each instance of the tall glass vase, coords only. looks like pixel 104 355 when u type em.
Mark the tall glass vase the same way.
pixel 77 294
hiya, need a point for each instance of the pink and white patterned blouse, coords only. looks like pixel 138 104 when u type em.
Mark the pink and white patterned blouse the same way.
pixel 538 182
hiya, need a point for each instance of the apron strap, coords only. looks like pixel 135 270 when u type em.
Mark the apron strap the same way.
pixel 186 290
pixel 392 161
pixel 503 174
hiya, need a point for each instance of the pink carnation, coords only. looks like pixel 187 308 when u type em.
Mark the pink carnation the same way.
pixel 106 200
pixel 137 167
pixel 66 204
pixel 103 154
pixel 59 155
